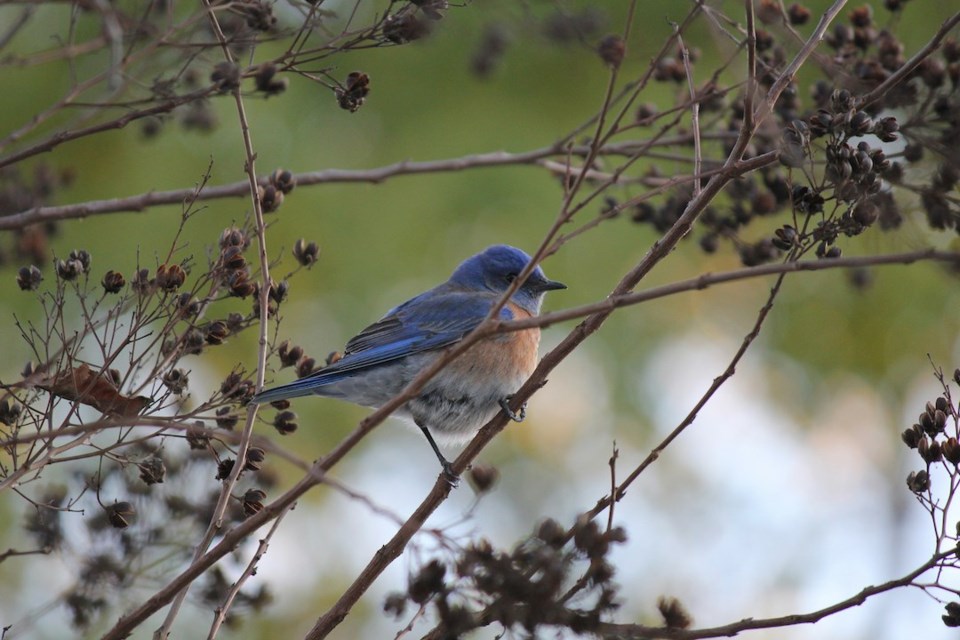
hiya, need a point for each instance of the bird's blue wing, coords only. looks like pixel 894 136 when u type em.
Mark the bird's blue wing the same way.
pixel 433 320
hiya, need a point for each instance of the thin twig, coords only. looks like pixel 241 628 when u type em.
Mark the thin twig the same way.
pixel 910 65
pixel 216 520
pixel 625 631
pixel 250 570
pixel 694 113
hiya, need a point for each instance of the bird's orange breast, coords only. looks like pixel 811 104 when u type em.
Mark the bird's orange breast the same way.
pixel 508 358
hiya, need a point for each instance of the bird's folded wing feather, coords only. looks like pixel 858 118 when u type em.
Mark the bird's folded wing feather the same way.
pixel 427 322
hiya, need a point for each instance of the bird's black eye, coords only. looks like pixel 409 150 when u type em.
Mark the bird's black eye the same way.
pixel 510 277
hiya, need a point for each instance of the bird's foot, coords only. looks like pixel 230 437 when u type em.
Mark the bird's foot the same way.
pixel 451 476
pixel 519 416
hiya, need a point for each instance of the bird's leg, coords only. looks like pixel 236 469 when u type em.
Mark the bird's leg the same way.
pixel 448 473
pixel 516 417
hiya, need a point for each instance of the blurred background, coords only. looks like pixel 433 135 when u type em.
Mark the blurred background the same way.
pixel 786 495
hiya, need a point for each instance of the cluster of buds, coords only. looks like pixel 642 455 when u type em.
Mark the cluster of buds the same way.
pixel 170 277
pixel 353 93
pixel 236 387
pixel 232 263
pixel 77 264
pixel 929 437
pixel 523 588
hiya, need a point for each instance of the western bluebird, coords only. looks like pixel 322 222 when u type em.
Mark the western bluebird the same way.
pixel 381 360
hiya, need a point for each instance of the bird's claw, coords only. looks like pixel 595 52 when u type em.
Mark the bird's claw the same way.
pixel 451 476
pixel 519 416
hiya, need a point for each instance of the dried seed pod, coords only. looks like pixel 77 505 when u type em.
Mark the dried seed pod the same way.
pixel 482 477
pixel 170 277
pixel 120 514
pixel 405 27
pixel 216 332
pixel 354 92
pixel 267 82
pixel 798 14
pixel 69 270
pixel 176 380
pixel 612 50
pixel 285 422
pixel 9 412
pixel 152 470
pixel 225 468
pixel 305 252
pixel 951 450
pixel 83 257
pixel 197 437
pixel 305 367
pixel 233 237
pixel 254 459
pixel 225 419
pixel 253 501
pixel 270 198
pixel 283 180
pixel 918 481
pixel 28 278
pixel 289 355
pixel 225 76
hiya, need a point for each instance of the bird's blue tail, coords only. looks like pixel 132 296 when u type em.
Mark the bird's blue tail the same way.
pixel 302 387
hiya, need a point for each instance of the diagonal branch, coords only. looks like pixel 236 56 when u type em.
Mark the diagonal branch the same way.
pixel 626 631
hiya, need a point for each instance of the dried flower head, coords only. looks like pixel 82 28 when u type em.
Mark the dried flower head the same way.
pixel 29 278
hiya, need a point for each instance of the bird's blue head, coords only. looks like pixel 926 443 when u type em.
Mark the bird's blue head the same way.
pixel 495 268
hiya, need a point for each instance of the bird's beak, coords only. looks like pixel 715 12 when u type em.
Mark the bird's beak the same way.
pixel 550 285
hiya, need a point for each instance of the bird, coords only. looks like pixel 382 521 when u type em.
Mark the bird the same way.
pixel 380 361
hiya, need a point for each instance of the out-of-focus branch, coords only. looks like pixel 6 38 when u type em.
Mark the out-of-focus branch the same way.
pixel 911 65
pixel 711 279
pixel 622 631
pixel 144 201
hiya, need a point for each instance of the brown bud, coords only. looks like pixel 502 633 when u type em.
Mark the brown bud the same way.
pixel 253 501
pixel 612 50
pixel 225 419
pixel 233 237
pixel 255 458
pixel 305 367
pixel 232 257
pixel 551 533
pixel 289 356
pixel 285 422
pixel 482 477
pixel 918 481
pixel 951 450
pixel 912 436
pixel 283 180
pixel 674 614
pixel 113 282
pixel 225 468
pixel 28 278
pixel 120 514
pixel 9 412
pixel 267 82
pixel 176 380
pixel 197 437
pixel 152 470
pixel 354 92
pixel 305 253
pixel 225 76
pixel 170 277
pixel 929 450
pixel 216 332
pixel 141 281
pixel 270 198
pixel 798 14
